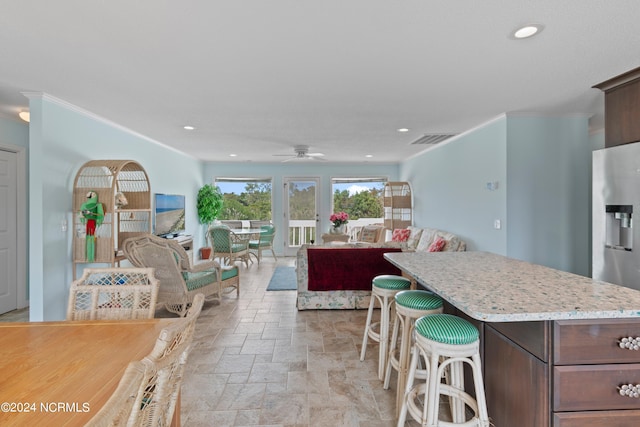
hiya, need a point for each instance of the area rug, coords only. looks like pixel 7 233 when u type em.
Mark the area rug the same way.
pixel 283 279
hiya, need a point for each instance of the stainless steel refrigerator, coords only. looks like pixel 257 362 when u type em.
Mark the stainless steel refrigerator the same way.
pixel 616 204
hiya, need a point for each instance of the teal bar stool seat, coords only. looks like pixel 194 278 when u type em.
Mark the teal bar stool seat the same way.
pixel 383 289
pixel 446 342
pixel 409 306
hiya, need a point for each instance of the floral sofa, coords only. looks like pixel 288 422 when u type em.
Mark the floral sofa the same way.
pixel 338 276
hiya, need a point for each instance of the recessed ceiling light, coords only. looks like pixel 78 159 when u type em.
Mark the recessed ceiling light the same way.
pixel 187 127
pixel 369 156
pixel 527 31
pixel 233 155
pixel 403 130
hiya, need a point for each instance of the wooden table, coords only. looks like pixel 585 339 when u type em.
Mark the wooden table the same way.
pixel 62 373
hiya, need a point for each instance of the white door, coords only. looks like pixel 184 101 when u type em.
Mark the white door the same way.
pixel 8 235
pixel 301 197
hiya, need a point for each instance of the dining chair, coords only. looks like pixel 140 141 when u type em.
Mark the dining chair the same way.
pixel 255 223
pixel 228 246
pixel 264 242
pixel 147 393
pixel 180 281
pixel 231 223
pixel 118 408
pixel 158 393
pixel 113 293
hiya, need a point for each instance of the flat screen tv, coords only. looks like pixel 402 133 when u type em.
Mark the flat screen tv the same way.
pixel 169 215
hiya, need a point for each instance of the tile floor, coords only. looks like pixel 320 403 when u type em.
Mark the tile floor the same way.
pixel 257 361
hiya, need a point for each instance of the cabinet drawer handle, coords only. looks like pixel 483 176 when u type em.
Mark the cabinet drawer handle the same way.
pixel 630 390
pixel 630 343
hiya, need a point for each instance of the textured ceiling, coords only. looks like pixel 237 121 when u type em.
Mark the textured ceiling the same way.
pixel 258 77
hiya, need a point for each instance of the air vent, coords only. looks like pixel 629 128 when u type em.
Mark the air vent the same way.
pixel 432 138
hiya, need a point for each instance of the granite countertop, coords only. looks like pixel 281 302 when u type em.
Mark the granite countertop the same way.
pixel 495 288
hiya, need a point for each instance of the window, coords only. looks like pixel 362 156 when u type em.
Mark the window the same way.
pixel 361 198
pixel 245 198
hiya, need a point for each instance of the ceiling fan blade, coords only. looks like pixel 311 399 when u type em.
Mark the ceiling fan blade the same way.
pixel 315 154
pixel 284 155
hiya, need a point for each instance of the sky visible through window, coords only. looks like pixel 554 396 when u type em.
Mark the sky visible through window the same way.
pixel 231 187
pixel 355 188
pixel 352 187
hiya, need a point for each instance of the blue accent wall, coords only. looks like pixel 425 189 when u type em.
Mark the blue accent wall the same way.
pixel 549 191
pixel 542 167
pixel 449 186
pixel 14 132
pixel 62 138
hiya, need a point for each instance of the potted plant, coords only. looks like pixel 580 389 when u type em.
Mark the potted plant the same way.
pixel 209 204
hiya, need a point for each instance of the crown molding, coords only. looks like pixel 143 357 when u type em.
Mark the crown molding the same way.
pixel 88 114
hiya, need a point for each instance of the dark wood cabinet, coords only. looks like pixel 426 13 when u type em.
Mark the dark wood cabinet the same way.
pixel 622 108
pixel 564 373
pixel 596 419
pixel 516 382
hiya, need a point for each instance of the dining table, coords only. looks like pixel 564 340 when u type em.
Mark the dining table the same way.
pixel 247 234
pixel 61 373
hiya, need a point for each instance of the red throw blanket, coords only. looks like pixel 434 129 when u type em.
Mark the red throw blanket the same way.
pixel 350 269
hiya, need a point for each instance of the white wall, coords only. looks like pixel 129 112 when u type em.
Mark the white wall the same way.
pixel 62 138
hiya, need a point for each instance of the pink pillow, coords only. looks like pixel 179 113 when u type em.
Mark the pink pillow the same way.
pixel 400 235
pixel 437 245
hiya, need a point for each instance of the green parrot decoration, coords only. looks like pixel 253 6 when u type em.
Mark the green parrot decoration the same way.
pixel 92 215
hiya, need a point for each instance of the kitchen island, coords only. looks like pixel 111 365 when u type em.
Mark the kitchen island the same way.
pixel 550 340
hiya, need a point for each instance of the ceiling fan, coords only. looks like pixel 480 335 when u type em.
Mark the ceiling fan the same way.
pixel 301 153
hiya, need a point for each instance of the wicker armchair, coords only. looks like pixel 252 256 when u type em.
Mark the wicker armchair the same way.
pixel 113 293
pixel 179 280
pixel 255 223
pixel 231 223
pixel 265 242
pixel 228 246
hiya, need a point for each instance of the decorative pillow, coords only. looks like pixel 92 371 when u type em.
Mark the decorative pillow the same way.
pixel 437 245
pixel 426 239
pixel 414 237
pixel 400 235
pixel 369 234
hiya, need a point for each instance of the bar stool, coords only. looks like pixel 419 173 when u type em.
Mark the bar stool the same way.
pixel 445 341
pixel 409 305
pixel 383 289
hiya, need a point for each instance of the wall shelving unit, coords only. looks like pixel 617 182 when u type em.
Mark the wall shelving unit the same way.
pixel 107 178
pixel 397 205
